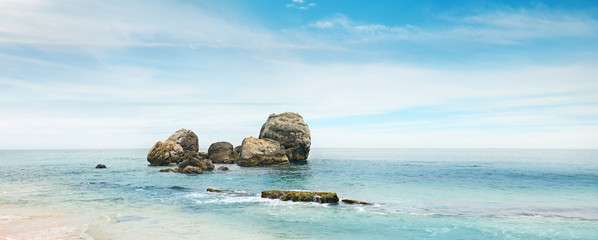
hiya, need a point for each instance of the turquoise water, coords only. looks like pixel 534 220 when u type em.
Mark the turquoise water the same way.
pixel 417 194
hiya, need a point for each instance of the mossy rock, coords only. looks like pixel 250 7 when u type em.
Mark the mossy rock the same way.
pixel 349 201
pixel 301 196
pixel 214 190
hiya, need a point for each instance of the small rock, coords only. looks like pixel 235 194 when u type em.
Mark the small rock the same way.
pixel 191 170
pixel 203 164
pixel 214 190
pixel 349 201
pixel 167 170
pixel 100 166
pixel 222 168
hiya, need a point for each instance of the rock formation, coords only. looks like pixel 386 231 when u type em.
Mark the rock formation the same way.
pixel 181 145
pixel 164 153
pixel 221 152
pixel 262 152
pixel 186 138
pixel 100 166
pixel 192 166
pixel 203 164
pixel 291 132
pixel 302 196
pixel 222 168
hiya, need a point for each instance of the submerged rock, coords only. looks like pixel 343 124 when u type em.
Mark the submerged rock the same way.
pixel 221 152
pixel 291 132
pixel 190 170
pixel 192 166
pixel 301 196
pixel 349 201
pixel 203 164
pixel 186 138
pixel 214 190
pixel 262 152
pixel 222 168
pixel 100 166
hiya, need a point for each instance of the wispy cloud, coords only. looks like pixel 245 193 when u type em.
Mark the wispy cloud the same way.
pixel 503 27
pixel 355 32
pixel 123 24
pixel 300 4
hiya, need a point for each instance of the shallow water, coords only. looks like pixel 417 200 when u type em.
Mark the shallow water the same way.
pixel 417 194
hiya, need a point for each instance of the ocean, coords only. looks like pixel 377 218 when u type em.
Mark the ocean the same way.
pixel 416 194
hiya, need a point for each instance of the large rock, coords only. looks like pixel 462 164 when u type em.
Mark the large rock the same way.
pixel 164 153
pixel 262 152
pixel 291 132
pixel 181 145
pixel 186 138
pixel 221 152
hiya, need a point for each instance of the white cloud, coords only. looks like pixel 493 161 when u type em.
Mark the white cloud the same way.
pixel 300 4
pixel 121 24
pixel 118 106
pixel 502 27
pixel 137 103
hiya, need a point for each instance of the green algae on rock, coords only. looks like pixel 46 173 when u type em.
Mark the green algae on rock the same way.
pixel 301 196
pixel 214 190
pixel 349 201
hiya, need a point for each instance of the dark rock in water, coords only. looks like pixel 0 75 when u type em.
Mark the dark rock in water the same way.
pixel 221 152
pixel 203 164
pixel 229 192
pixel 100 166
pixel 291 132
pixel 167 170
pixel 222 168
pixel 190 170
pixel 262 152
pixel 302 196
pixel 349 201
pixel 186 138
pixel 214 190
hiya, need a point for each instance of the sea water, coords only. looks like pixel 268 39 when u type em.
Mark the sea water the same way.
pixel 416 194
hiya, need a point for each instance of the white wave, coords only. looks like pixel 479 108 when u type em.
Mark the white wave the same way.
pixel 11 217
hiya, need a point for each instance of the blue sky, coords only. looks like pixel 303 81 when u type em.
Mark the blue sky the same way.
pixel 406 74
